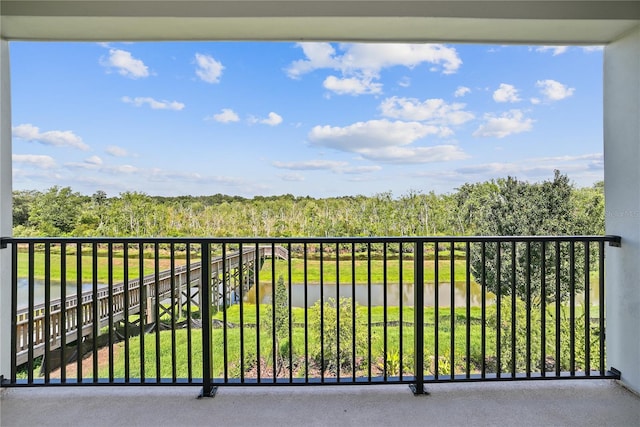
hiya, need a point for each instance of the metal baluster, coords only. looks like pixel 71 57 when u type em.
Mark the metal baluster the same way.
pixel 468 309
pixel 498 308
pixel 63 312
pixel 208 389
pixel 47 312
pixel 452 310
pixel 401 309
pixel 436 312
pixel 127 302
pixel 338 363
pixel 418 318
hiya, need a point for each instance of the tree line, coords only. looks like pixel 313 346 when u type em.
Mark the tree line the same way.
pixel 506 206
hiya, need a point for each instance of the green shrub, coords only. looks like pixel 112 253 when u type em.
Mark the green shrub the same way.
pixel 332 344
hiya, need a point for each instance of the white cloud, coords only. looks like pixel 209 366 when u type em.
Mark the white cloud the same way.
pixel 273 119
pixel 361 63
pixel 404 82
pixel 370 134
pixel 433 111
pixel 537 167
pixel 556 50
pixel 414 155
pixel 506 124
pixel 40 161
pixel 291 177
pixel 116 151
pixel 318 55
pixel 352 85
pixel 209 70
pixel 331 165
pixel 374 57
pixel 583 169
pixel 310 165
pixel 58 138
pixel 227 115
pixel 153 103
pixel 94 160
pixel 384 140
pixel 126 169
pixel 590 156
pixel 125 64
pixel 589 49
pixel 96 164
pixel 553 90
pixel 496 169
pixel 461 91
pixel 359 170
pixel 83 165
pixel 506 93
pixel 535 101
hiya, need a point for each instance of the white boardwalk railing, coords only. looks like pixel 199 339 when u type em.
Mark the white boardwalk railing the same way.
pixel 79 323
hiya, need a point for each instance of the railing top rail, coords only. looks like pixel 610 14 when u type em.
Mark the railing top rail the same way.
pixel 615 240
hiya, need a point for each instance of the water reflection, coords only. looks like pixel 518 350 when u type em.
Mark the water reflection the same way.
pixel 393 294
pixel 39 288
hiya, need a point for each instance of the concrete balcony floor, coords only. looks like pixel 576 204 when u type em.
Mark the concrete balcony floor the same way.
pixel 548 403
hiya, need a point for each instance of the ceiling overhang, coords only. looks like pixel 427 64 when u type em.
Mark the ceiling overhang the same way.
pixel 478 21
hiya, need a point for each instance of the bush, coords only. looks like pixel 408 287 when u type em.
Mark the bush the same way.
pixel 506 333
pixel 333 341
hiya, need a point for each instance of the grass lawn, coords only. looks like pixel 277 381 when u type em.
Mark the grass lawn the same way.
pixel 363 273
pixel 248 352
pixel 250 347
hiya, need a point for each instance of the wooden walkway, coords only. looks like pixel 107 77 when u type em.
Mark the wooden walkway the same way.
pixel 77 323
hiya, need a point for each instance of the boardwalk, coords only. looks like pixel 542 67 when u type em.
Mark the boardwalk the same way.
pixel 74 317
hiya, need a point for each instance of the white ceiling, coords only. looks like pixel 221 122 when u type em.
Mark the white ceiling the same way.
pixel 501 21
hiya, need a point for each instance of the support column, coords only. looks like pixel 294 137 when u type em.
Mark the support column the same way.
pixel 622 195
pixel 6 217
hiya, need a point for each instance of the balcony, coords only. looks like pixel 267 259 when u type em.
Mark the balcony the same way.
pixel 565 402
pixel 267 328
pixel 550 403
pixel 236 312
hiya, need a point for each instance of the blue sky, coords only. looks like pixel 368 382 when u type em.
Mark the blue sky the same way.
pixel 318 119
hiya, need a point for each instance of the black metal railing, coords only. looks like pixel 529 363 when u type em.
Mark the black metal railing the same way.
pixel 238 311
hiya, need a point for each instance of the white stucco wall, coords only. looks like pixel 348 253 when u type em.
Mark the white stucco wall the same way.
pixel 622 193
pixel 5 210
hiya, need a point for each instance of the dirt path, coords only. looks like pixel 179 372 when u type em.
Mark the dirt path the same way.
pixel 87 364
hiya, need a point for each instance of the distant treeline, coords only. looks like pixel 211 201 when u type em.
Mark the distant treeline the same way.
pixel 498 207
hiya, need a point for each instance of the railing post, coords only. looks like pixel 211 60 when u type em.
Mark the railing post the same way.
pixel 208 390
pixel 418 318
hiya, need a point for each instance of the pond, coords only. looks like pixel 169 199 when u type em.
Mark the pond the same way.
pixel 38 294
pixel 394 293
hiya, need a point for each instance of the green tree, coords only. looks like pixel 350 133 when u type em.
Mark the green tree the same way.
pixel 527 341
pixel 517 208
pixel 588 204
pixel 56 211
pixel 277 318
pixel 22 202
pixel 333 341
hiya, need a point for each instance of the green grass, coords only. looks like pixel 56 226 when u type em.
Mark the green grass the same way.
pixel 250 336
pixel 362 271
pixel 376 272
pixel 102 271
pixel 365 272
pixel 243 362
